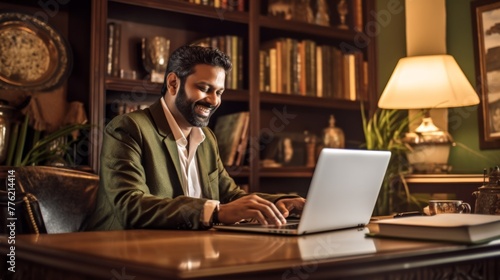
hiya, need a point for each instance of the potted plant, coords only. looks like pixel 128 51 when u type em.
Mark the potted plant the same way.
pixel 43 148
pixel 384 131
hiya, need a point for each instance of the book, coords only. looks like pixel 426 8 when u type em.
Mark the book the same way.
pixel 301 67
pixel 113 49
pixel 351 77
pixel 262 72
pixel 319 73
pixel 116 50
pixel 337 73
pixel 458 228
pixel 273 70
pixel 229 132
pixel 111 37
pixel 357 15
pixel 241 150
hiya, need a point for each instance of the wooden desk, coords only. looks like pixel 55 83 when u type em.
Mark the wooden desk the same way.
pixel 153 254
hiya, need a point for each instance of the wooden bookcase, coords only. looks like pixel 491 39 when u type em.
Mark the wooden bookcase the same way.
pixel 182 22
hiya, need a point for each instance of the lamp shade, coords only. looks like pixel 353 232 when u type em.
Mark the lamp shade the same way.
pixel 427 82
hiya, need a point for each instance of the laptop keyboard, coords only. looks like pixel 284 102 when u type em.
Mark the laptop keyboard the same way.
pixel 286 226
pixel 289 226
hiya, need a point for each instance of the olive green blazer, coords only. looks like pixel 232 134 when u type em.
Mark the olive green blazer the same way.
pixel 140 176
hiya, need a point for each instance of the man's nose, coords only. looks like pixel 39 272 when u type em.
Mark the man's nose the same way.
pixel 213 98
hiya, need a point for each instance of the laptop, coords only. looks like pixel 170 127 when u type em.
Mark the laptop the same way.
pixel 342 194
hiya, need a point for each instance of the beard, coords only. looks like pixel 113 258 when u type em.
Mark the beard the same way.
pixel 187 108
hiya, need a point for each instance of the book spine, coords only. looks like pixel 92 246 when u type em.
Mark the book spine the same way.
pixel 273 57
pixel 295 68
pixel 262 72
pixel 361 80
pixel 337 73
pixel 351 60
pixel 234 60
pixel 240 63
pixel 287 58
pixel 116 51
pixel 319 58
pixel 267 72
pixel 308 67
pixel 327 72
pixel 313 68
pixel 279 66
pixel 241 5
pixel 357 14
pixel 228 51
pixel 365 95
pixel 111 35
pixel 303 72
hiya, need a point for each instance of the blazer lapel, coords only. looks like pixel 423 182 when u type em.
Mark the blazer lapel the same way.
pixel 164 130
pixel 203 169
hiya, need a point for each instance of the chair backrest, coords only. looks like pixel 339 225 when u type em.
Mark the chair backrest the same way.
pixel 66 197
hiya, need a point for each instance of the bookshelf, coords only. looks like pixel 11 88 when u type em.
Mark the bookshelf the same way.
pixel 84 24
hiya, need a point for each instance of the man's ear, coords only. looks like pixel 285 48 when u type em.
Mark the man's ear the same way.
pixel 173 83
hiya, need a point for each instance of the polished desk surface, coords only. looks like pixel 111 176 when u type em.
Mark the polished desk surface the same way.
pixel 173 254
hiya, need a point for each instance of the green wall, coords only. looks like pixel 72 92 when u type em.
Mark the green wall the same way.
pixel 465 157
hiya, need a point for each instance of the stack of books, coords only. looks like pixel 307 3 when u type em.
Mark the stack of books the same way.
pixel 290 66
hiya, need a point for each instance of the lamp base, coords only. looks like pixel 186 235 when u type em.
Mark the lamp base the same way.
pixel 429 168
pixel 429 152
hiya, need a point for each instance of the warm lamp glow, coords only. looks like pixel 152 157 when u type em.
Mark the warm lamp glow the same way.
pixel 427 82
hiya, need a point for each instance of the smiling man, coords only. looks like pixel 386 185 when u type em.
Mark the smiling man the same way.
pixel 160 167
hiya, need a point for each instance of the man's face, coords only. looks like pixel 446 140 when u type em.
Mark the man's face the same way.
pixel 200 95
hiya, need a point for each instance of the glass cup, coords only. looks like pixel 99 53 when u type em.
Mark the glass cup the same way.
pixel 448 206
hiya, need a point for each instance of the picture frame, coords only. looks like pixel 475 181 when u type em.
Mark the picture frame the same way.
pixel 485 15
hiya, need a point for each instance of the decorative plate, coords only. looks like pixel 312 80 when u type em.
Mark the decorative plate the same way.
pixel 33 56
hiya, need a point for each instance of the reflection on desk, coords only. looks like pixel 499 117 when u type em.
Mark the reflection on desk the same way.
pixel 153 254
pixel 338 243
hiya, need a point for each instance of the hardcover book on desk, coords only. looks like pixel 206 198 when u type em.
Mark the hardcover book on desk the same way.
pixel 460 228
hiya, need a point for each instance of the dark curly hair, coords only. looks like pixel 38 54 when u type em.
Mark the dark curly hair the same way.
pixel 183 60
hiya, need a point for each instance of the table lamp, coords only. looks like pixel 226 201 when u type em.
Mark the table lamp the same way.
pixel 428 82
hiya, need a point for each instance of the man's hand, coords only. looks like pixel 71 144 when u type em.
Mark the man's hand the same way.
pixel 287 205
pixel 252 207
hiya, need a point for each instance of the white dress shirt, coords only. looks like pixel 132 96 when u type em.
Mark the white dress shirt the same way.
pixel 190 175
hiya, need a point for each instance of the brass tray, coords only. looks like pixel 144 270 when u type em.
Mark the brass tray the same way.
pixel 33 56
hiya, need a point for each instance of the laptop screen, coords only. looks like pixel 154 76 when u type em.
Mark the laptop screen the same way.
pixel 344 189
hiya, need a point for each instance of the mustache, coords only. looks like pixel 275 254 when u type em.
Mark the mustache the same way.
pixel 205 104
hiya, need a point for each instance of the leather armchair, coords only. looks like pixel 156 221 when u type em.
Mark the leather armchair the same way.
pixel 65 197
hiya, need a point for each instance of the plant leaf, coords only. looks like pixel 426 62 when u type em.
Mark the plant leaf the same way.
pixel 40 151
pixel 21 141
